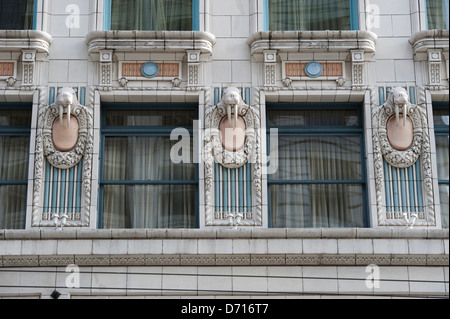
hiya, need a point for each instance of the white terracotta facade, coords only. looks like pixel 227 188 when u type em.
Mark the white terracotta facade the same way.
pixel 392 48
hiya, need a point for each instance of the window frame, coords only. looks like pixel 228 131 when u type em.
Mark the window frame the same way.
pixel 17 131
pixel 320 131
pixel 354 16
pixel 124 131
pixel 35 11
pixel 195 15
pixel 441 130
pixel 426 15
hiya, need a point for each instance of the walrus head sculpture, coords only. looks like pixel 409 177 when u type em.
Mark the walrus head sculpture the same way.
pixel 232 100
pixel 398 98
pixel 65 99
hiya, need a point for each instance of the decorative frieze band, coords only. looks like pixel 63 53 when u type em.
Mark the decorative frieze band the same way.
pixel 225 260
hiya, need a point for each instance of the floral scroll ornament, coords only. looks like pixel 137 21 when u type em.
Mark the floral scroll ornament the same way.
pixel 65 123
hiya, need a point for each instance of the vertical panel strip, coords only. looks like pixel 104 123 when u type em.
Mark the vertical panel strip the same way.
pixel 79 186
pixel 233 189
pixel 249 187
pixel 412 201
pixel 217 186
pixel 54 190
pixel 70 189
pixel 403 189
pixel 419 185
pixel 225 188
pixel 387 186
pixel 241 189
pixel 62 190
pixel 47 186
pixel 395 193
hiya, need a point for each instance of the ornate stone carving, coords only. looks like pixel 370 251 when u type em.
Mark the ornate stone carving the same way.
pixel 232 106
pixel 66 103
pixel 403 158
pixel 47 117
pixel 397 102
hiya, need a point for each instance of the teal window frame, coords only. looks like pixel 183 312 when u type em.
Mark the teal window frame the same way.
pixel 426 15
pixel 441 130
pixel 354 16
pixel 16 131
pixel 195 15
pixel 116 131
pixel 319 131
pixel 35 10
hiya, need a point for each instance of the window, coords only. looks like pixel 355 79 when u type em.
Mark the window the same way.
pixel 441 127
pixel 140 186
pixel 437 14
pixel 17 14
pixel 157 15
pixel 309 15
pixel 15 120
pixel 320 181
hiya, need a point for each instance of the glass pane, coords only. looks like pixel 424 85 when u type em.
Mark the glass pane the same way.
pixel 159 15
pixel 13 157
pixel 444 196
pixel 149 206
pixel 13 205
pixel 16 14
pixel 298 117
pixel 440 117
pixel 437 14
pixel 317 205
pixel 309 15
pixel 318 158
pixel 179 118
pixel 145 158
pixel 442 156
pixel 17 117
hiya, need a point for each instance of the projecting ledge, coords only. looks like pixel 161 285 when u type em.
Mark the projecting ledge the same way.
pixel 317 41
pixel 157 41
pixel 225 233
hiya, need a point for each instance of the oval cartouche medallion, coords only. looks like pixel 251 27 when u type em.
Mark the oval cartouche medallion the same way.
pixel 232 136
pixel 65 137
pixel 400 135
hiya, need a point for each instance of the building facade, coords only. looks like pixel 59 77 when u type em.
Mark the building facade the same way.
pixel 233 148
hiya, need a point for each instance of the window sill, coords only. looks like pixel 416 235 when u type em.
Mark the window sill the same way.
pixel 317 41
pixel 17 40
pixel 158 41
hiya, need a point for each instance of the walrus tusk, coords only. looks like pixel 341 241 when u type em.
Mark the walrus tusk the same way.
pixel 68 115
pixel 229 114
pixel 61 113
pixel 236 114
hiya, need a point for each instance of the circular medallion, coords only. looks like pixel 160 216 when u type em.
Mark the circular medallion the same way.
pixel 150 70
pixel 313 69
pixel 65 137
pixel 400 136
pixel 232 136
